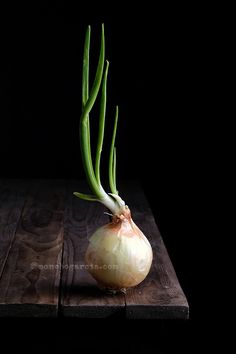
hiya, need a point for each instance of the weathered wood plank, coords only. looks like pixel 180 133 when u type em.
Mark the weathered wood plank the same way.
pixel 159 296
pixel 29 285
pixel 30 256
pixel 12 197
pixel 80 296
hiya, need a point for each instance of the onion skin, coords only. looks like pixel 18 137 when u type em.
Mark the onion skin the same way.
pixel 119 256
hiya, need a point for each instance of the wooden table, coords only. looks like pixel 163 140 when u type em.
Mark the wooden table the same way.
pixel 44 232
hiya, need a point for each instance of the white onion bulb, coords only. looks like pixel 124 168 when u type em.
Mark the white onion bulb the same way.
pixel 119 256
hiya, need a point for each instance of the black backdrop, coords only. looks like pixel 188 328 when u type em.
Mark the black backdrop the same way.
pixel 156 60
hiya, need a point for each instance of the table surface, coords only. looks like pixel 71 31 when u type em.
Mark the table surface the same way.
pixel 44 232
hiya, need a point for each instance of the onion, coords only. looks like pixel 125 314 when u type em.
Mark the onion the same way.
pixel 119 256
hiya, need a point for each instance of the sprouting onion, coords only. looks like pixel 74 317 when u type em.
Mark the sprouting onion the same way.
pixel 119 256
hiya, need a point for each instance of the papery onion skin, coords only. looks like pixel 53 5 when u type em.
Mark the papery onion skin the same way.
pixel 119 256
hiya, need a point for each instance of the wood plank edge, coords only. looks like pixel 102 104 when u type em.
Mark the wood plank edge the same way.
pixel 28 310
pixel 92 311
pixel 157 312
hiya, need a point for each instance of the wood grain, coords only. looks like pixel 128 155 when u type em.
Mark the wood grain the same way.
pixel 12 198
pixel 35 278
pixel 159 296
pixel 80 295
pixel 29 285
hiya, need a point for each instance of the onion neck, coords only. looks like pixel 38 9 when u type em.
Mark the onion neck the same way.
pixel 115 204
pixel 123 214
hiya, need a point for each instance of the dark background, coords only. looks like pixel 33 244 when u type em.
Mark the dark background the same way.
pixel 158 58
